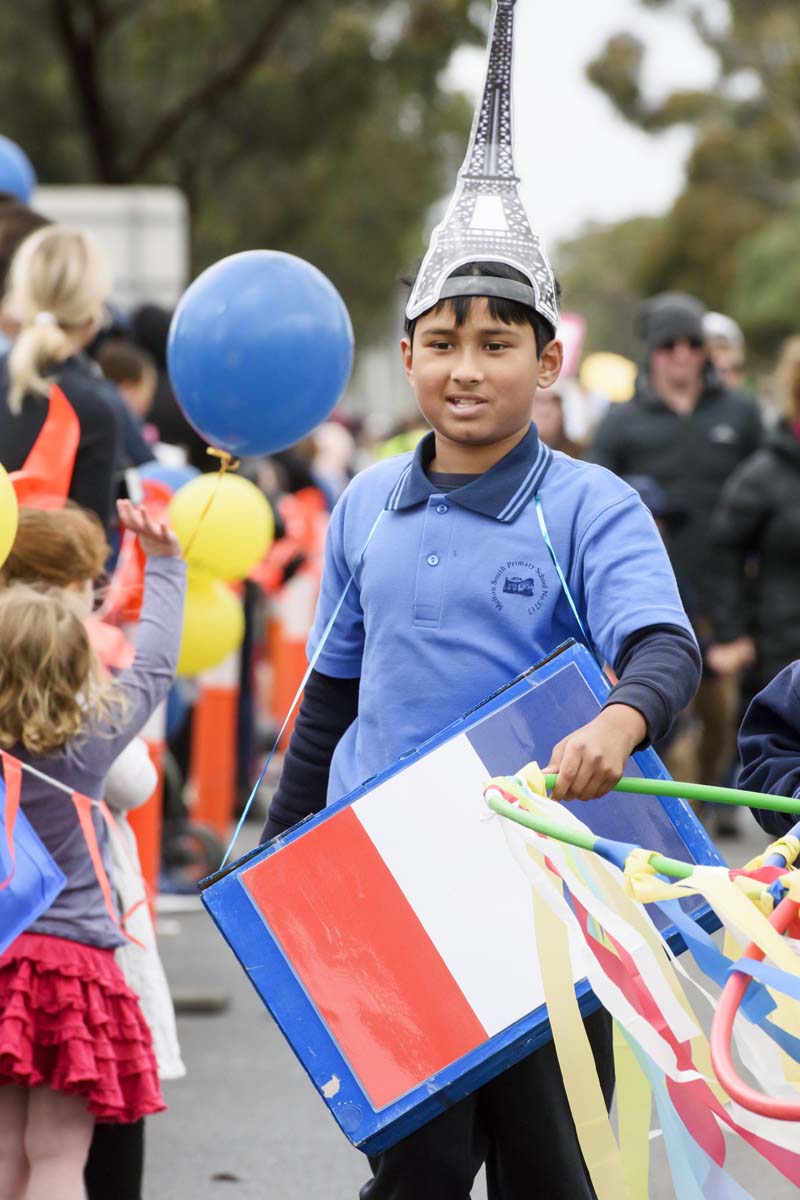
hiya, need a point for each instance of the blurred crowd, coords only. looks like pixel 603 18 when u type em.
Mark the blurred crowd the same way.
pixel 716 458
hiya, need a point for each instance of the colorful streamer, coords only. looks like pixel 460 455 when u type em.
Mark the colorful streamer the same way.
pixel 589 897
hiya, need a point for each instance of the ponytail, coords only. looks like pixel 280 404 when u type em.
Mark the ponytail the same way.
pixel 36 345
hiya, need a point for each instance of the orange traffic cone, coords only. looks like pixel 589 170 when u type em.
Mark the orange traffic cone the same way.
pixel 212 770
pixel 292 609
pixel 291 620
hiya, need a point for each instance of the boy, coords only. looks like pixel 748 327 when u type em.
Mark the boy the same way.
pixel 132 371
pixel 428 629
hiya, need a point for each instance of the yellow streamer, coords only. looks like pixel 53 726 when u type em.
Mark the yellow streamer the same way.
pixel 757 892
pixel 730 904
pixel 788 846
pixel 533 778
pixel 579 1073
pixel 792 884
pixel 634 1109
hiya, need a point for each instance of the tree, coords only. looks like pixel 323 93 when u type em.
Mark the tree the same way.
pixel 597 270
pixel 744 171
pixel 306 125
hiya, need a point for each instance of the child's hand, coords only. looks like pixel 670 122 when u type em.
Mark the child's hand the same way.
pixel 156 538
pixel 591 761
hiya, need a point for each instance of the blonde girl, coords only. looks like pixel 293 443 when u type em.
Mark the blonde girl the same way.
pixel 67 549
pixel 74 1047
pixel 58 285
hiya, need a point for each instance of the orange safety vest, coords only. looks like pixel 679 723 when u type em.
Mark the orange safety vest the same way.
pixel 46 475
pixel 123 600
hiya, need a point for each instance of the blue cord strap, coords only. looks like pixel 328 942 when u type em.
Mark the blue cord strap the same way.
pixel 587 641
pixel 314 659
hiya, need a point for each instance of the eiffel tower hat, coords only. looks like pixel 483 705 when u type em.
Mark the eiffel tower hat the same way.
pixel 486 219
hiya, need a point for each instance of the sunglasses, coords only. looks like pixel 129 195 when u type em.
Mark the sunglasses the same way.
pixel 671 343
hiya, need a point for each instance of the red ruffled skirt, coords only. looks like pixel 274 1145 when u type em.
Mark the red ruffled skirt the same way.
pixel 69 1021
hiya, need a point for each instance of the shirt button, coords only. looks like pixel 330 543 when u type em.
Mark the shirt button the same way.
pixel 433 560
pixel 441 508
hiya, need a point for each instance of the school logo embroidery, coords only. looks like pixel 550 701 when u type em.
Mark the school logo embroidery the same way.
pixel 518 587
pixel 517 581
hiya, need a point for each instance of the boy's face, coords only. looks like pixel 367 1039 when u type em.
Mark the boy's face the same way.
pixel 475 384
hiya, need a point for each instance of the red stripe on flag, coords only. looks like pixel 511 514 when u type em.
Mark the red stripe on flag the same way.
pixel 364 957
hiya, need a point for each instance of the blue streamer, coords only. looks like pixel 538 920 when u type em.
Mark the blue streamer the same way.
pixel 757 1002
pixel 694 1173
pixel 787 1041
pixel 774 977
pixel 617 853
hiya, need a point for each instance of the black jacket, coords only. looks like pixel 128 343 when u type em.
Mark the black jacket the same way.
pixel 93 478
pixel 769 746
pixel 755 535
pixel 690 456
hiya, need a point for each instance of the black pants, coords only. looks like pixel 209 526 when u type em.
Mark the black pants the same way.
pixel 116 1162
pixel 520 1125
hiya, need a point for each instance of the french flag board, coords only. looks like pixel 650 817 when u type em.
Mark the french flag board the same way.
pixel 407 922
pixel 392 935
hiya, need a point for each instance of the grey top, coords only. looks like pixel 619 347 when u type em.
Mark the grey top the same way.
pixel 79 913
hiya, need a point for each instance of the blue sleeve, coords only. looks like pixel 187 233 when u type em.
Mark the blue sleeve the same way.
pixel 769 745
pixel 343 650
pixel 625 581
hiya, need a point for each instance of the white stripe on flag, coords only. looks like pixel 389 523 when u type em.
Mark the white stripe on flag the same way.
pixel 430 826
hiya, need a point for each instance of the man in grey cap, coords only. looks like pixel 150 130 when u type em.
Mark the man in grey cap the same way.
pixel 685 429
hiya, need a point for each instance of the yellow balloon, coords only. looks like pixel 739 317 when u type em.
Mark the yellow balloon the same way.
pixel 213 625
pixel 8 515
pixel 610 375
pixel 235 532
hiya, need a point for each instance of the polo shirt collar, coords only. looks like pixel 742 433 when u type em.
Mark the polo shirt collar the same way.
pixel 501 492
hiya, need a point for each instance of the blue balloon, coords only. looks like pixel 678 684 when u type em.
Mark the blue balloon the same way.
pixel 260 351
pixel 16 173
pixel 173 477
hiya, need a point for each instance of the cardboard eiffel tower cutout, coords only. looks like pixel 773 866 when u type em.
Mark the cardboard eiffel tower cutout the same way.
pixel 486 220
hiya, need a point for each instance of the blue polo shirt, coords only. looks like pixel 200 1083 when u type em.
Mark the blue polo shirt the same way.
pixel 457 594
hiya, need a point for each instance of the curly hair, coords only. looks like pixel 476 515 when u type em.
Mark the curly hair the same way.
pixel 51 683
